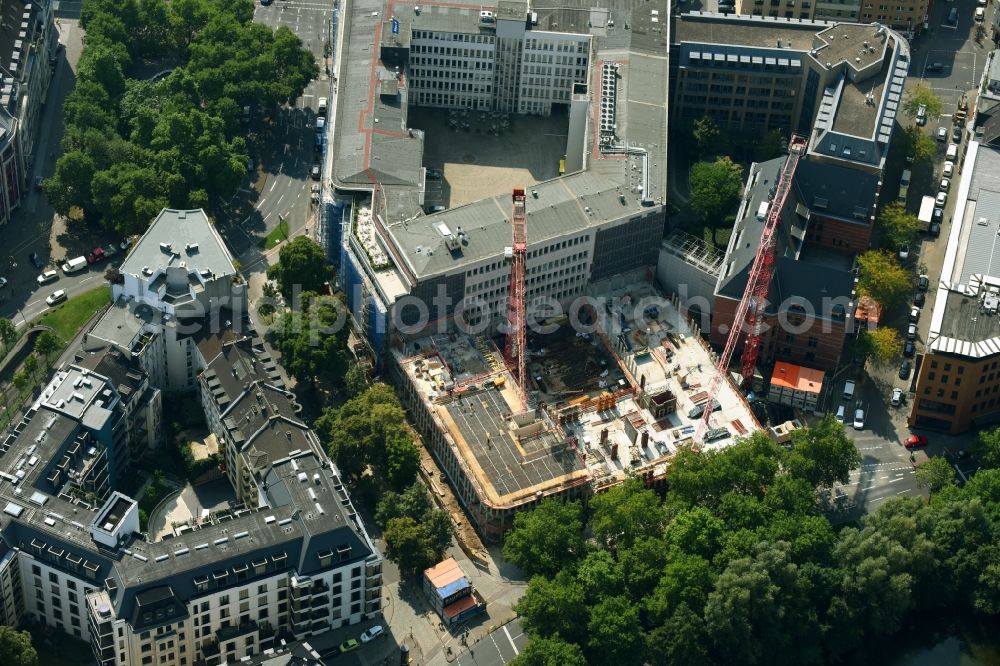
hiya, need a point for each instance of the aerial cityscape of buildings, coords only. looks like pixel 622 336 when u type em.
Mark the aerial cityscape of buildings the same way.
pixel 628 312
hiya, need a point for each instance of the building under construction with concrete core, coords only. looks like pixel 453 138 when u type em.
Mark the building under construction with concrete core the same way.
pixel 607 400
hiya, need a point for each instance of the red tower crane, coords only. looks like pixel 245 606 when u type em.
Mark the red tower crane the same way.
pixel 516 335
pixel 751 308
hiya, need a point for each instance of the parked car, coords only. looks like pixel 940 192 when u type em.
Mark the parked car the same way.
pixel 913 441
pixel 840 413
pixel 909 349
pixel 922 115
pixel 848 390
pixel 942 134
pixel 349 645
pixel 3 282
pixel 372 633
pixel 923 282
pixel 859 419
pixel 36 261
pixel 914 313
pixel 918 299
pixel 435 174
pixel 945 185
pixel 904 369
pixel 941 199
pixel 48 277
pixel 55 297
pixel 934 230
pixel 904 253
pixel 897 397
pixel 948 170
pixel 39 183
pixel 934 67
pixel 956 134
pixel 980 14
pixel 911 332
pixel 315 172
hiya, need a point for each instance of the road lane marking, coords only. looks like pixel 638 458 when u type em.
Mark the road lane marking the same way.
pixel 898 478
pixel 904 491
pixel 516 651
pixel 273 184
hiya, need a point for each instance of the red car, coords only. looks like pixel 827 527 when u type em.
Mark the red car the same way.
pixel 913 441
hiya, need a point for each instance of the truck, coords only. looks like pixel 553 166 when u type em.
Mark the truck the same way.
pixel 99 254
pixel 962 112
pixel 74 265
pixel 926 212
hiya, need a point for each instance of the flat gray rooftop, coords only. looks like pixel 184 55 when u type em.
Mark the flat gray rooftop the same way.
pixel 855 115
pixel 181 229
pixel 747 31
pixel 511 466
pixel 855 43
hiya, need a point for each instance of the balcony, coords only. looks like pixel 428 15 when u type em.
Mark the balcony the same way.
pixel 229 633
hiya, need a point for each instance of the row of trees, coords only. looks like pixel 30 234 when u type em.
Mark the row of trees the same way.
pixel 366 436
pixel 737 565
pixel 133 145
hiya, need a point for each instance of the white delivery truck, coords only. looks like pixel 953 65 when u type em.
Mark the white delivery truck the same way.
pixel 926 212
pixel 74 265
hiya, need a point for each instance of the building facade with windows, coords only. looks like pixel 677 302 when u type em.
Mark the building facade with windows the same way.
pixel 496 60
pixel 288 557
pixel 957 380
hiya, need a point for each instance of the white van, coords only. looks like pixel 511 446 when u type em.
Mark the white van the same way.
pixel 952 154
pixel 322 106
pixel 848 390
pixel 840 413
pixel 74 265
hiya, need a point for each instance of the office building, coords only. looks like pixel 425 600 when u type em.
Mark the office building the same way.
pixel 906 16
pixel 402 268
pixel 958 377
pixel 838 84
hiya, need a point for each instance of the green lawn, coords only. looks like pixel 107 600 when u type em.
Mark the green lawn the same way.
pixel 278 234
pixel 67 319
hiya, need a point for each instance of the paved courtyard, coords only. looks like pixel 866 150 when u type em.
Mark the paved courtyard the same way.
pixel 478 163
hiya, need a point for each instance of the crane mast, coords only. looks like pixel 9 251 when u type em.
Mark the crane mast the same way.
pixel 752 306
pixel 516 335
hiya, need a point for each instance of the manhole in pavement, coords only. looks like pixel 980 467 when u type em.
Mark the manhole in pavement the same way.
pixel 468 158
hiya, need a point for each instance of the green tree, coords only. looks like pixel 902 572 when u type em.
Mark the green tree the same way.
pixel 882 345
pixel 898 227
pixel 935 473
pixel 358 433
pixel 16 648
pixel 550 652
pixel 681 640
pixel 546 539
pixel 624 514
pixel 922 95
pixel 600 575
pixel 822 454
pixel 686 580
pixel 554 607
pixel 614 635
pixel 715 189
pixel 313 340
pixel 355 380
pixel 747 467
pixel 407 545
pixel 919 147
pixel 402 460
pixel 414 502
pixel 20 380
pixel 987 447
pixel 301 265
pixel 438 530
pixel 31 366
pixel 8 333
pixel 47 344
pixel 881 277
pixel 707 135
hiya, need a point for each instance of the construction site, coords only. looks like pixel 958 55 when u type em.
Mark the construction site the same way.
pixel 613 398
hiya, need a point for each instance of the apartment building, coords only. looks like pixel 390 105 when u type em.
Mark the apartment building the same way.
pixel 840 84
pixel 27 46
pixel 846 10
pixel 958 378
pixel 498 59
pixel 288 558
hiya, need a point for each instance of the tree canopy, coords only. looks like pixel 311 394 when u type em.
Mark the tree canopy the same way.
pixel 737 565
pixel 16 648
pixel 898 227
pixel 715 188
pixel 133 145
pixel 918 146
pixel 882 345
pixel 312 340
pixel 547 539
pixel 301 266
pixel 881 277
pixel 922 95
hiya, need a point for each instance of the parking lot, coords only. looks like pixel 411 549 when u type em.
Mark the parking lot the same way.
pixel 959 72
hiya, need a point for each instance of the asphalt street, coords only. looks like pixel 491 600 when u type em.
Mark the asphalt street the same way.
pixel 281 142
pixel 497 648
